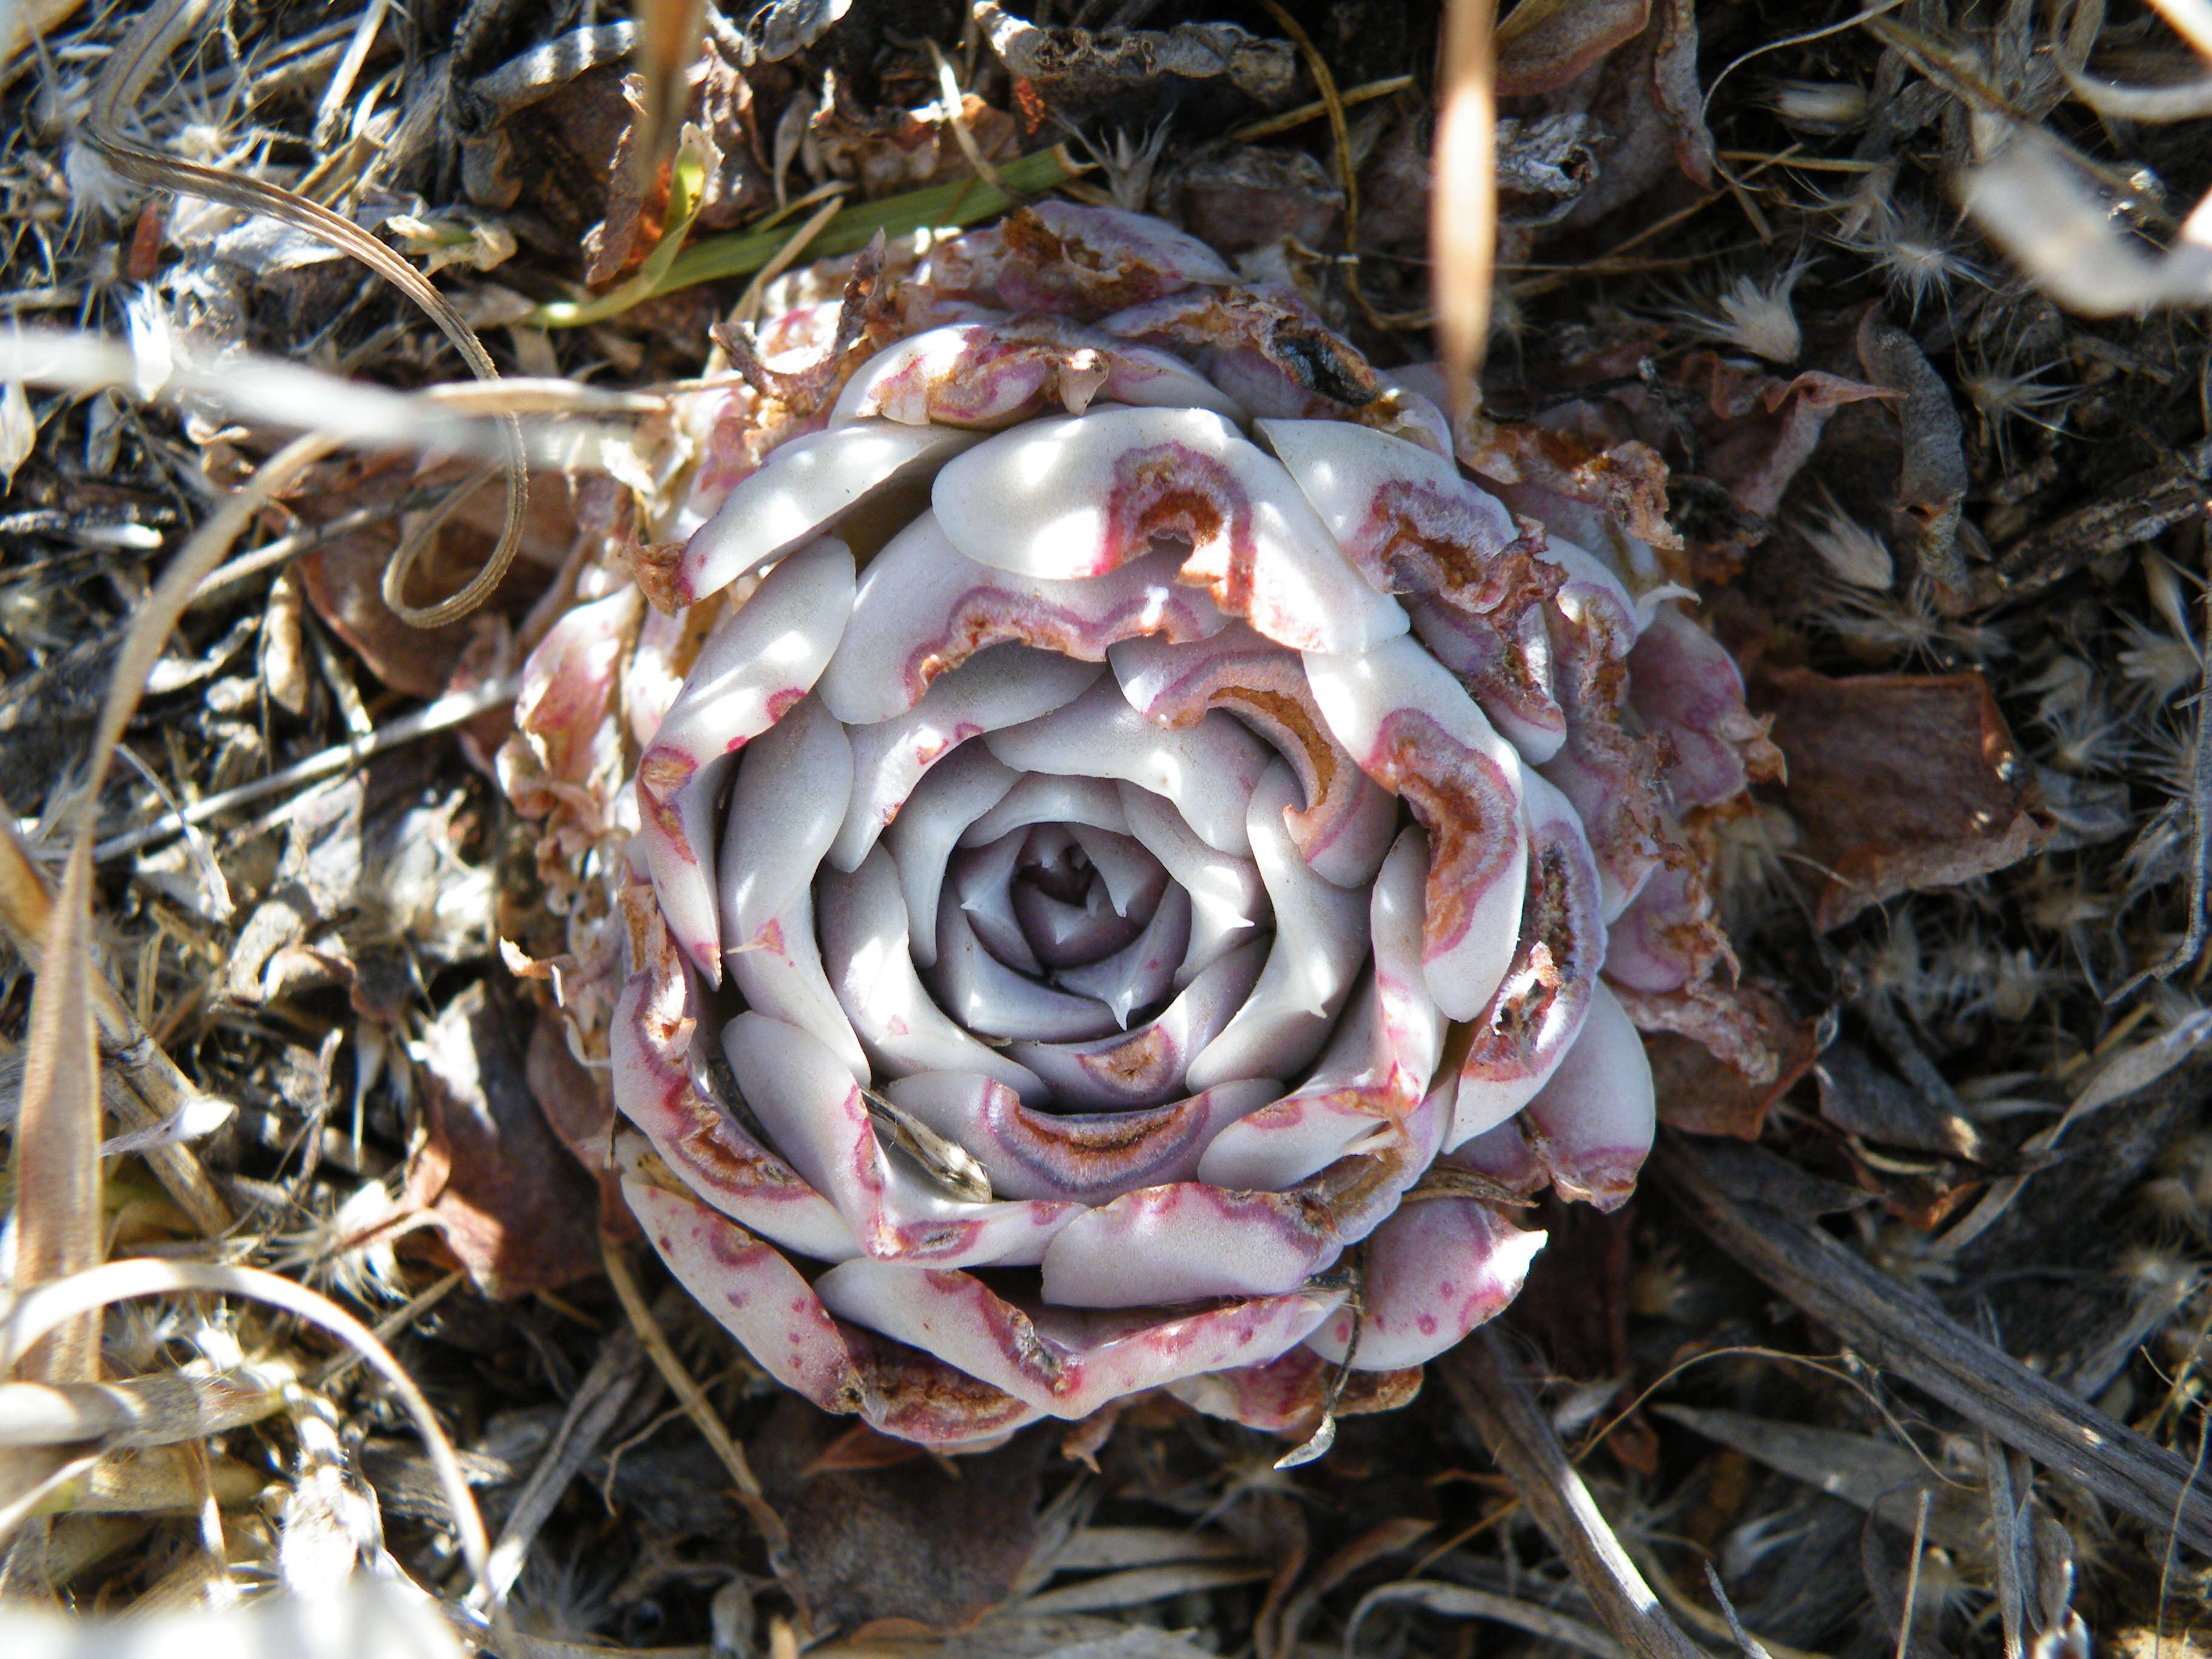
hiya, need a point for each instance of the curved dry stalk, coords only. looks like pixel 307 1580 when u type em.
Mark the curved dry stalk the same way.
pixel 57 1212
pixel 668 38
pixel 140 1411
pixel 1491 1387
pixel 50 1305
pixel 1464 204
pixel 133 65
pixel 159 615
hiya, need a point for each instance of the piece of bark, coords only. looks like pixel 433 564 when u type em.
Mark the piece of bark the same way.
pixel 1895 1328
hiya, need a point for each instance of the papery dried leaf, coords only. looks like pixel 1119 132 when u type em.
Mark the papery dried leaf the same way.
pixel 1131 72
pixel 911 1542
pixel 1758 430
pixel 1706 1094
pixel 1901 781
pixel 511 1205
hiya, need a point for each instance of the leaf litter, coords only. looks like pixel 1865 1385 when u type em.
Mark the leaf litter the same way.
pixel 1907 300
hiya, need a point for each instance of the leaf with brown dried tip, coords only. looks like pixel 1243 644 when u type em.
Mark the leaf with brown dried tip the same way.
pixel 1463 206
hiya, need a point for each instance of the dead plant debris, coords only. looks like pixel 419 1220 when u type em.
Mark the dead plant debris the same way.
pixel 1897 315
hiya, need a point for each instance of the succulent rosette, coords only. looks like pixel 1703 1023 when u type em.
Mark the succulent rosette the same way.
pixel 1130 865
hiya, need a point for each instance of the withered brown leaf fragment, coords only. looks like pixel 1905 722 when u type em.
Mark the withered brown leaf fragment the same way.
pixel 1630 65
pixel 1703 1093
pixel 515 1210
pixel 906 1548
pixel 1900 782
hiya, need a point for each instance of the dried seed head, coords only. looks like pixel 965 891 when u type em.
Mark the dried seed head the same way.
pixel 1754 316
pixel 1820 107
pixel 1852 552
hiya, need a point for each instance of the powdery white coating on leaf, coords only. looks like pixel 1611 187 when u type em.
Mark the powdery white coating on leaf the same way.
pixel 1144 970
pixel 864 950
pixel 1189 1240
pixel 924 609
pixel 753 669
pixel 1087 1158
pixel 1592 1124
pixel 779 971
pixel 1002 687
pixel 1419 734
pixel 799 490
pixel 1321 940
pixel 1050 797
pixel 985 996
pixel 1068 499
pixel 1228 899
pixel 951 796
pixel 794 785
pixel 1208 770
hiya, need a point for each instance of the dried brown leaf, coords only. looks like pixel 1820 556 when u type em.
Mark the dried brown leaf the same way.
pixel 510 1204
pixel 1900 782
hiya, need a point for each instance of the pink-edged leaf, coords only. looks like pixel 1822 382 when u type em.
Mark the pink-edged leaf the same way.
pixel 1592 1124
pixel 1407 519
pixel 1505 663
pixel 1347 821
pixel 1189 1240
pixel 1417 733
pixel 1431 1273
pixel 1072 498
pixel 753 668
pixel 818 1117
pixel 1519 1040
pixel 1684 683
pixel 801 490
pixel 1378 1066
pixel 1066 1362
pixel 924 608
pixel 648 1048
pixel 1082 1158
